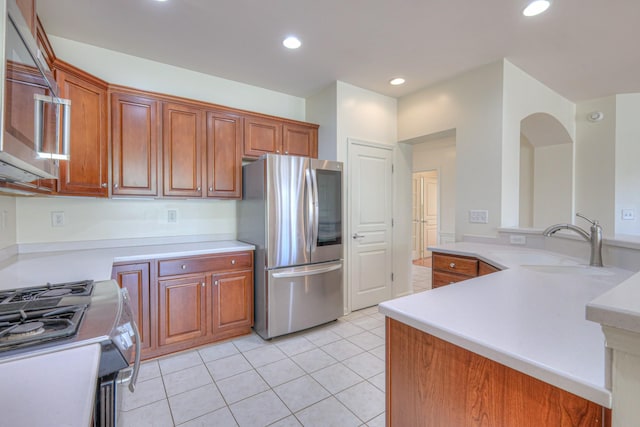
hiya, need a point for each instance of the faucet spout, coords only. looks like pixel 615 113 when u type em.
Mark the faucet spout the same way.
pixel 594 237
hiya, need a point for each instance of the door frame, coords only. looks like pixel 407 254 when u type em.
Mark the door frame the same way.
pixel 438 192
pixel 348 208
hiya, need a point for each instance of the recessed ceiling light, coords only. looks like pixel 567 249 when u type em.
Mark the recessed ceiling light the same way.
pixel 536 7
pixel 292 42
pixel 397 81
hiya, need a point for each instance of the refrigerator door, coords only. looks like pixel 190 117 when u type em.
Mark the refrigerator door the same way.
pixel 287 210
pixel 326 205
pixel 302 297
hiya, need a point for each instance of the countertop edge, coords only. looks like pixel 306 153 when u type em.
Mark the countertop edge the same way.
pixel 591 392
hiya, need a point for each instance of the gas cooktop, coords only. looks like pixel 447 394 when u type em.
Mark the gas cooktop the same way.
pixel 31 316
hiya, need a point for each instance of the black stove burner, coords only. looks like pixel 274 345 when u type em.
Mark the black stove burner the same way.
pixel 42 297
pixel 24 328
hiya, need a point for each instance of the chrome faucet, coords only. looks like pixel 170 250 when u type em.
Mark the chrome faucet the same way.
pixel 595 238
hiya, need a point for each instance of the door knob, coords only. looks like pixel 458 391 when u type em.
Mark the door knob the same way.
pixel 357 236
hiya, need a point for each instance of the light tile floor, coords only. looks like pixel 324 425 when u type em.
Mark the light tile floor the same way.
pixel 331 375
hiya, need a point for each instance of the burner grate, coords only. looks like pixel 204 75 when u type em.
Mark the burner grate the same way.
pixel 21 329
pixel 57 290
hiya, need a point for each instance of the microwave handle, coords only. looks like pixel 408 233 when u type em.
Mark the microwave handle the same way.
pixel 38 132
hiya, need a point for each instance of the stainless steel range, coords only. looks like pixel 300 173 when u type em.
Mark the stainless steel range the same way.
pixel 61 316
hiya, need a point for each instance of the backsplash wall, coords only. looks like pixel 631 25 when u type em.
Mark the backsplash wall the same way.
pixel 7 221
pixel 99 219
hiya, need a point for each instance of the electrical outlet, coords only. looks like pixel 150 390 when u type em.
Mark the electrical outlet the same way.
pixel 57 219
pixel 172 216
pixel 628 214
pixel 518 240
pixel 478 216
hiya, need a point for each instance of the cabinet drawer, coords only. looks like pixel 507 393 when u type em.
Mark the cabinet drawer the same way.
pixel 484 268
pixel 441 278
pixel 454 264
pixel 222 262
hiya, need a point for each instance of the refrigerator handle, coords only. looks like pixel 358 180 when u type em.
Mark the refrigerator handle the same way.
pixel 307 271
pixel 310 210
pixel 316 214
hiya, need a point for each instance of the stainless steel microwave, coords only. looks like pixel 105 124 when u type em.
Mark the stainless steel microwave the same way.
pixel 35 121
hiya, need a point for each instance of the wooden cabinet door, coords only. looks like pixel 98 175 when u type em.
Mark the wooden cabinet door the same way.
pixel 182 136
pixel 298 140
pixel 224 155
pixel 182 309
pixel 86 172
pixel 135 128
pixel 232 302
pixel 136 279
pixel 261 135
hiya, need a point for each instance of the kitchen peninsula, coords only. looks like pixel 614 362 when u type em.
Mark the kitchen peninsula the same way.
pixel 509 348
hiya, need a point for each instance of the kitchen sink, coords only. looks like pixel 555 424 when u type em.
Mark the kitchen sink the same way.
pixel 533 259
pixel 584 270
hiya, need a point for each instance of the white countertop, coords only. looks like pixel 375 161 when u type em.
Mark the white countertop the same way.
pixel 55 389
pixel 35 269
pixel 530 320
pixel 619 307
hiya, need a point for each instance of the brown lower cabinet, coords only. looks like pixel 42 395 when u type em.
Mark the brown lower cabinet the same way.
pixel 189 301
pixel 448 269
pixel 431 382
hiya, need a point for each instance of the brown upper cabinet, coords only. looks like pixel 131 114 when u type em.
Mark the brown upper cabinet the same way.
pixel 182 139
pixel 135 135
pixel 266 135
pixel 86 173
pixel 224 155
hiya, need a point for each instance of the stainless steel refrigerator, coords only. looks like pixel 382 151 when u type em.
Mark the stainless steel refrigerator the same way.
pixel 291 210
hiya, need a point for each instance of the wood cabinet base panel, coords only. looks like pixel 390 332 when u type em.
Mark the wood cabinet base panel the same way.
pixel 431 382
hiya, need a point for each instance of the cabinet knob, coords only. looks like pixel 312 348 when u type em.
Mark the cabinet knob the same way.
pixel 198 188
pixel 183 266
pixel 211 189
pixel 104 185
pixel 203 284
pixel 277 151
pixel 215 283
pixel 233 262
pixel 115 185
pixel 286 152
pixel 452 265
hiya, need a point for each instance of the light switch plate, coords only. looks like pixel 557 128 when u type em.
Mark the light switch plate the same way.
pixel 172 216
pixel 57 219
pixel 518 240
pixel 628 214
pixel 477 216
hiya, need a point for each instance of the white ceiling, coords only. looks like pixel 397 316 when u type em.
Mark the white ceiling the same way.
pixel 582 49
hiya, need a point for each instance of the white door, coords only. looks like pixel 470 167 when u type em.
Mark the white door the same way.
pixel 430 197
pixel 370 211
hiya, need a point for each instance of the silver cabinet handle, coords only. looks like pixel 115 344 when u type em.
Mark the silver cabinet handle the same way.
pixel 203 284
pixel 215 283
pixel 233 262
pixel 115 186
pixel 286 152
pixel 183 266
pixel 277 151
pixel 211 189
pixel 357 236
pixel 452 265
pixel 198 188
pixel 103 185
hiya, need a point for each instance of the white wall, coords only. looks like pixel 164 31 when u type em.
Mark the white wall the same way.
pixel 322 108
pixel 94 219
pixel 552 185
pixel 126 70
pixel 470 103
pixel 627 162
pixel 595 163
pixel 97 219
pixel 440 155
pixel 7 222
pixel 523 96
pixel 526 183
